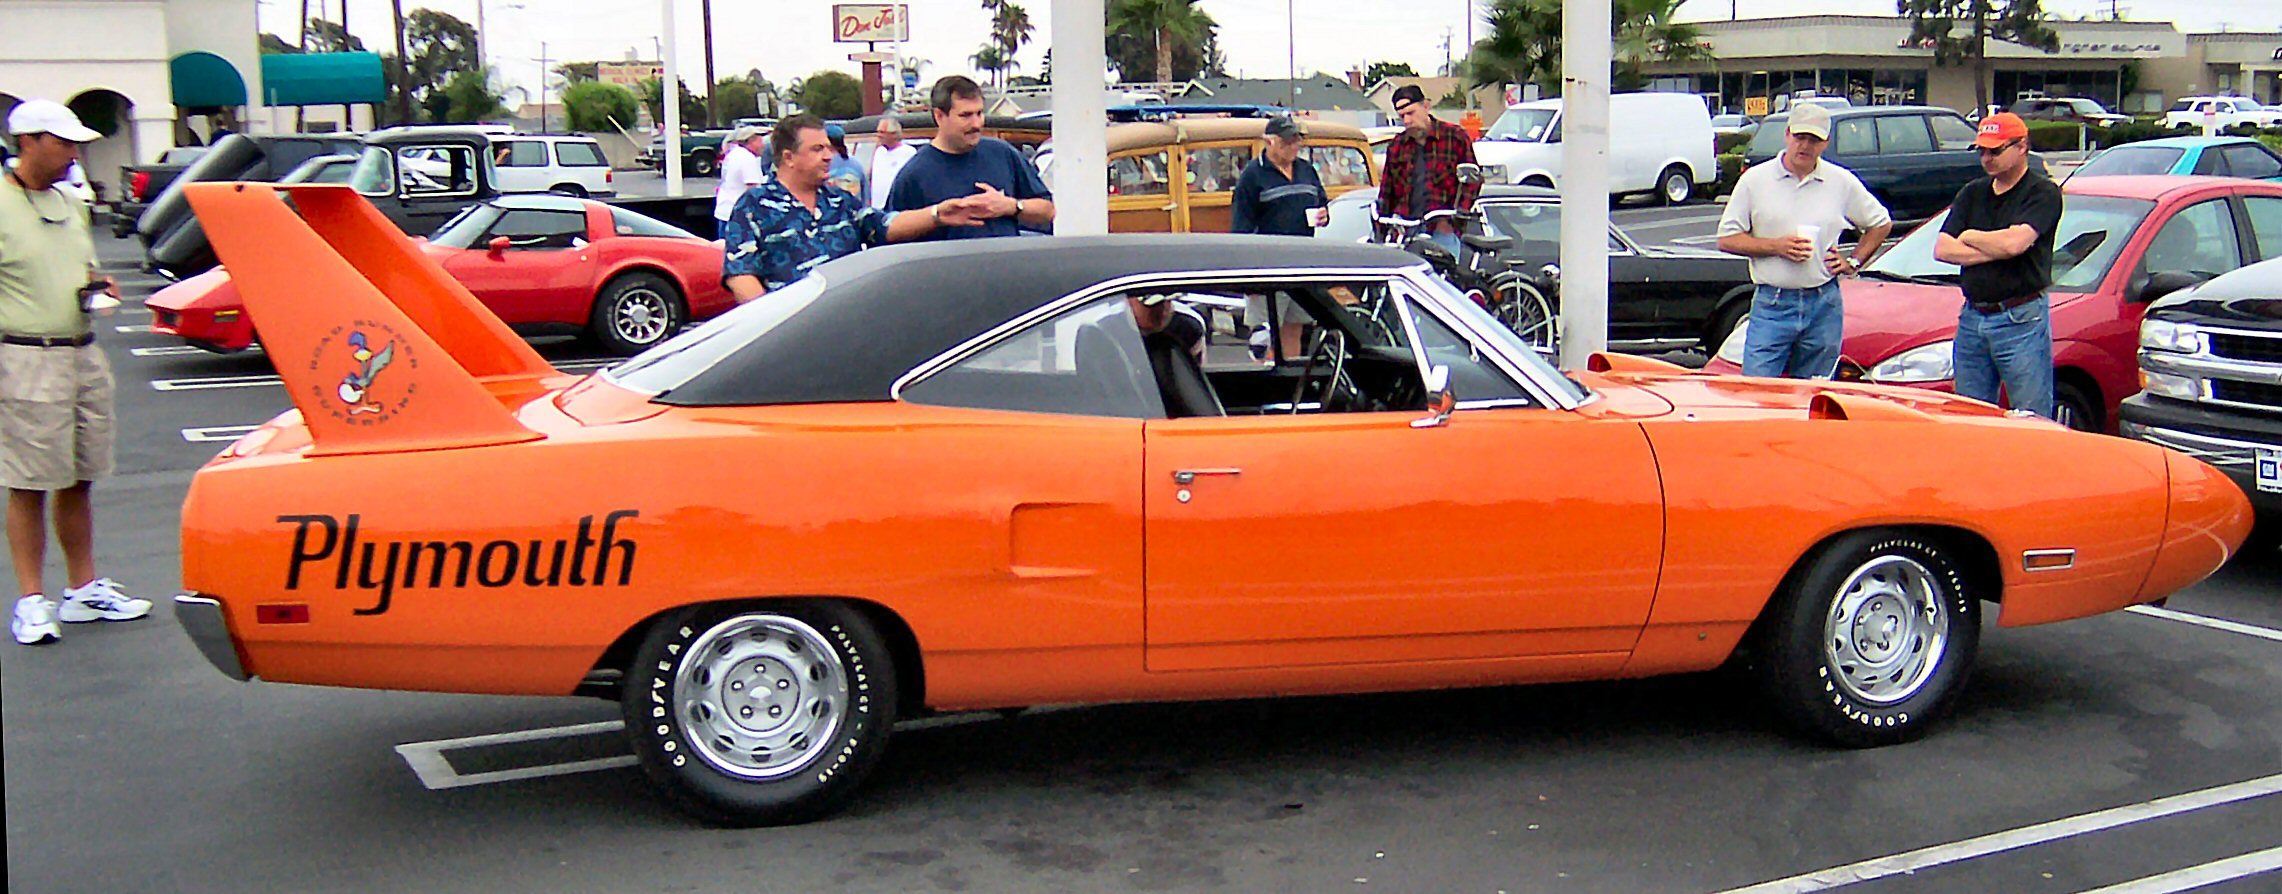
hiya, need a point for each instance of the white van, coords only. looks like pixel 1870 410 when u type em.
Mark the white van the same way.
pixel 1659 143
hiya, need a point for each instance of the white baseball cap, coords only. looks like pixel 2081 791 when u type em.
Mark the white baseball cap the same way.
pixel 49 117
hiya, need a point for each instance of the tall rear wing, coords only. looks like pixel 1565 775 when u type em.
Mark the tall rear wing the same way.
pixel 379 348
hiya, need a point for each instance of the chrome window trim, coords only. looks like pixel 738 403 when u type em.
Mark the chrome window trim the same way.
pixel 1616 235
pixel 1412 295
pixel 1547 395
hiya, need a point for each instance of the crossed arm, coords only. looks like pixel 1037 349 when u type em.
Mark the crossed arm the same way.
pixel 1982 246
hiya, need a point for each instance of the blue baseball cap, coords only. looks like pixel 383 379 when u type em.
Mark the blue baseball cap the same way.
pixel 835 132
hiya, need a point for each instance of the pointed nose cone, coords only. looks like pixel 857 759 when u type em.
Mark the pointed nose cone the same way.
pixel 2209 519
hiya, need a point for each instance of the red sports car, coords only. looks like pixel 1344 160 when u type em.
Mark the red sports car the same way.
pixel 540 262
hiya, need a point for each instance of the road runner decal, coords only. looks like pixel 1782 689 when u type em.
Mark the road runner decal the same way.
pixel 581 560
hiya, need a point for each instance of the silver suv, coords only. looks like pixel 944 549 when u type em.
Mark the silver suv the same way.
pixel 565 164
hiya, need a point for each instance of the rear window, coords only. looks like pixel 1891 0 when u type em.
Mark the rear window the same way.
pixel 661 369
pixel 1339 166
pixel 2183 105
pixel 627 223
pixel 1769 140
pixel 2124 160
pixel 580 155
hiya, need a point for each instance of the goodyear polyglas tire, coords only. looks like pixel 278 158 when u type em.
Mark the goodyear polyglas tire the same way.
pixel 1872 640
pixel 760 714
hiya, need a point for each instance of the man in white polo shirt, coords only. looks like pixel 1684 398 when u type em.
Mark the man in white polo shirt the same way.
pixel 1785 215
pixel 741 169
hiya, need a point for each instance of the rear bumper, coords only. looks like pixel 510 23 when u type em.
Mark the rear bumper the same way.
pixel 209 630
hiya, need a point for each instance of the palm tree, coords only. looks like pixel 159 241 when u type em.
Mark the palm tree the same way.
pixel 1644 32
pixel 1173 21
pixel 990 60
pixel 1010 28
pixel 1523 46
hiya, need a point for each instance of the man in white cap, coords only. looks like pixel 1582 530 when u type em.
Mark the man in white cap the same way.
pixel 741 169
pixel 888 157
pixel 1785 215
pixel 55 386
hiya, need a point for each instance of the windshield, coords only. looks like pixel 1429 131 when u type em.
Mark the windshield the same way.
pixel 2086 107
pixel 2093 229
pixel 664 368
pixel 2131 160
pixel 1524 125
pixel 1769 140
pixel 376 172
pixel 464 229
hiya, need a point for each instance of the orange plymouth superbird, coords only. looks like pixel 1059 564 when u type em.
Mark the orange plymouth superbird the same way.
pixel 994 474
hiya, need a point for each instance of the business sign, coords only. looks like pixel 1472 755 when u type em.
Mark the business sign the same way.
pixel 869 22
pixel 629 75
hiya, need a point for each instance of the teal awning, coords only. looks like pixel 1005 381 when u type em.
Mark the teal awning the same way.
pixel 316 79
pixel 204 80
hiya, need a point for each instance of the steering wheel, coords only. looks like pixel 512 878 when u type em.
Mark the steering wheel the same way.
pixel 1330 353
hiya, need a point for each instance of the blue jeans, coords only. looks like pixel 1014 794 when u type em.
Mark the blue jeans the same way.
pixel 1794 333
pixel 2011 347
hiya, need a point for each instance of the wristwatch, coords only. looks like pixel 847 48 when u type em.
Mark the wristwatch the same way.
pixel 935 213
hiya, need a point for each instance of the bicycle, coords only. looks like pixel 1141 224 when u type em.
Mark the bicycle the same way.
pixel 1511 296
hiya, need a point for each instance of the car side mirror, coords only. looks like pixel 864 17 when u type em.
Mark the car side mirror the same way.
pixel 2164 283
pixel 1439 399
pixel 499 245
pixel 1469 172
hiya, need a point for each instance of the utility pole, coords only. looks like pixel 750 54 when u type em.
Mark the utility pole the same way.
pixel 403 65
pixel 712 109
pixel 1291 58
pixel 303 42
pixel 542 86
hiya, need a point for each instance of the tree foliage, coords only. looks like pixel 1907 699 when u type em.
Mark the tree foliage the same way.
pixel 593 106
pixel 326 36
pixel 467 99
pixel 737 96
pixel 653 96
pixel 1382 70
pixel 271 44
pixel 575 72
pixel 829 94
pixel 1173 40
pixel 1936 24
pixel 1524 42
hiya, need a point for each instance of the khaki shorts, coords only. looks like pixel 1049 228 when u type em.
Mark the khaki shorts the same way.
pixel 55 416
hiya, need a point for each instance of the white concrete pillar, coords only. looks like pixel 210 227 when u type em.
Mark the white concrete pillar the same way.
pixel 669 96
pixel 1585 68
pixel 1081 128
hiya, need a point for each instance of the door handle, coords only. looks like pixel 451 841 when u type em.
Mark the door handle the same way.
pixel 1189 476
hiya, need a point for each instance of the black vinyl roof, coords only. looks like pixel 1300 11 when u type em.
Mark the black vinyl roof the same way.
pixel 887 310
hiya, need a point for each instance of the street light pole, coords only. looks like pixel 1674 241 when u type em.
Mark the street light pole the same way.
pixel 542 86
pixel 669 96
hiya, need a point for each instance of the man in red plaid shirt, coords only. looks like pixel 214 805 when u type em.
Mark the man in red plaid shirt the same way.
pixel 1422 166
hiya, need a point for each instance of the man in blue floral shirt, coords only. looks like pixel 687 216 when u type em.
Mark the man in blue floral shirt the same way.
pixel 788 226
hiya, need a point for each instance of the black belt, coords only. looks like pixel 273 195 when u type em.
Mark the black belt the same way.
pixel 1995 307
pixel 50 341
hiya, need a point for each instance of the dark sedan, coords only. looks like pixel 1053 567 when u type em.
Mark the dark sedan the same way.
pixel 1661 298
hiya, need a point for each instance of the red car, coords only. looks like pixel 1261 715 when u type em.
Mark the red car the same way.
pixel 2123 242
pixel 540 262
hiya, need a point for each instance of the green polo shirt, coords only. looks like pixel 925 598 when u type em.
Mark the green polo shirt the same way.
pixel 42 264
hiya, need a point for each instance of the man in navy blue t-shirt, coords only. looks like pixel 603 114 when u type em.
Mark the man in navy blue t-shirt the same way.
pixel 960 162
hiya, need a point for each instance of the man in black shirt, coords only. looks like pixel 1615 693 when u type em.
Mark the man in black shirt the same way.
pixel 1278 194
pixel 2000 231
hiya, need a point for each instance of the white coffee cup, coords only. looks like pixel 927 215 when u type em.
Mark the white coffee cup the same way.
pixel 1811 233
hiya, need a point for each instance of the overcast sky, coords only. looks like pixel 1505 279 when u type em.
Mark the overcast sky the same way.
pixel 791 38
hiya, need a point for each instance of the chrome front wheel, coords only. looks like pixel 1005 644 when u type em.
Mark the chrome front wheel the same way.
pixel 1886 631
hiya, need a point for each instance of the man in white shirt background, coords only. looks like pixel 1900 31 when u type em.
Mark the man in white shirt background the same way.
pixel 888 158
pixel 741 169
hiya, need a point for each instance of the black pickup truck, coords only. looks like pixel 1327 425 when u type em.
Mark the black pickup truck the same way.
pixel 2210 360
pixel 139 184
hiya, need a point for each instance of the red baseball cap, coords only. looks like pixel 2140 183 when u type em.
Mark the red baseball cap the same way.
pixel 1999 129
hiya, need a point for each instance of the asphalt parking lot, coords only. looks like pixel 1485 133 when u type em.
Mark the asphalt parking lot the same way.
pixel 2136 752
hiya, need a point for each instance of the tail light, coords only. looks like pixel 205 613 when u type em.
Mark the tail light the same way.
pixel 607 177
pixel 139 184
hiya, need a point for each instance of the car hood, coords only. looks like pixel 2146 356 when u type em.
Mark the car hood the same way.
pixel 2250 297
pixel 1885 318
pixel 1686 251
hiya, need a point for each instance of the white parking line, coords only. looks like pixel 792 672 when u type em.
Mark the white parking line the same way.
pixel 182 350
pixel 208 383
pixel 2208 874
pixel 2011 839
pixel 216 433
pixel 2210 622
pixel 428 762
pixel 133 329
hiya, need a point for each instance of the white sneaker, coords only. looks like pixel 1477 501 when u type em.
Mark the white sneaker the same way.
pixel 101 600
pixel 34 622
